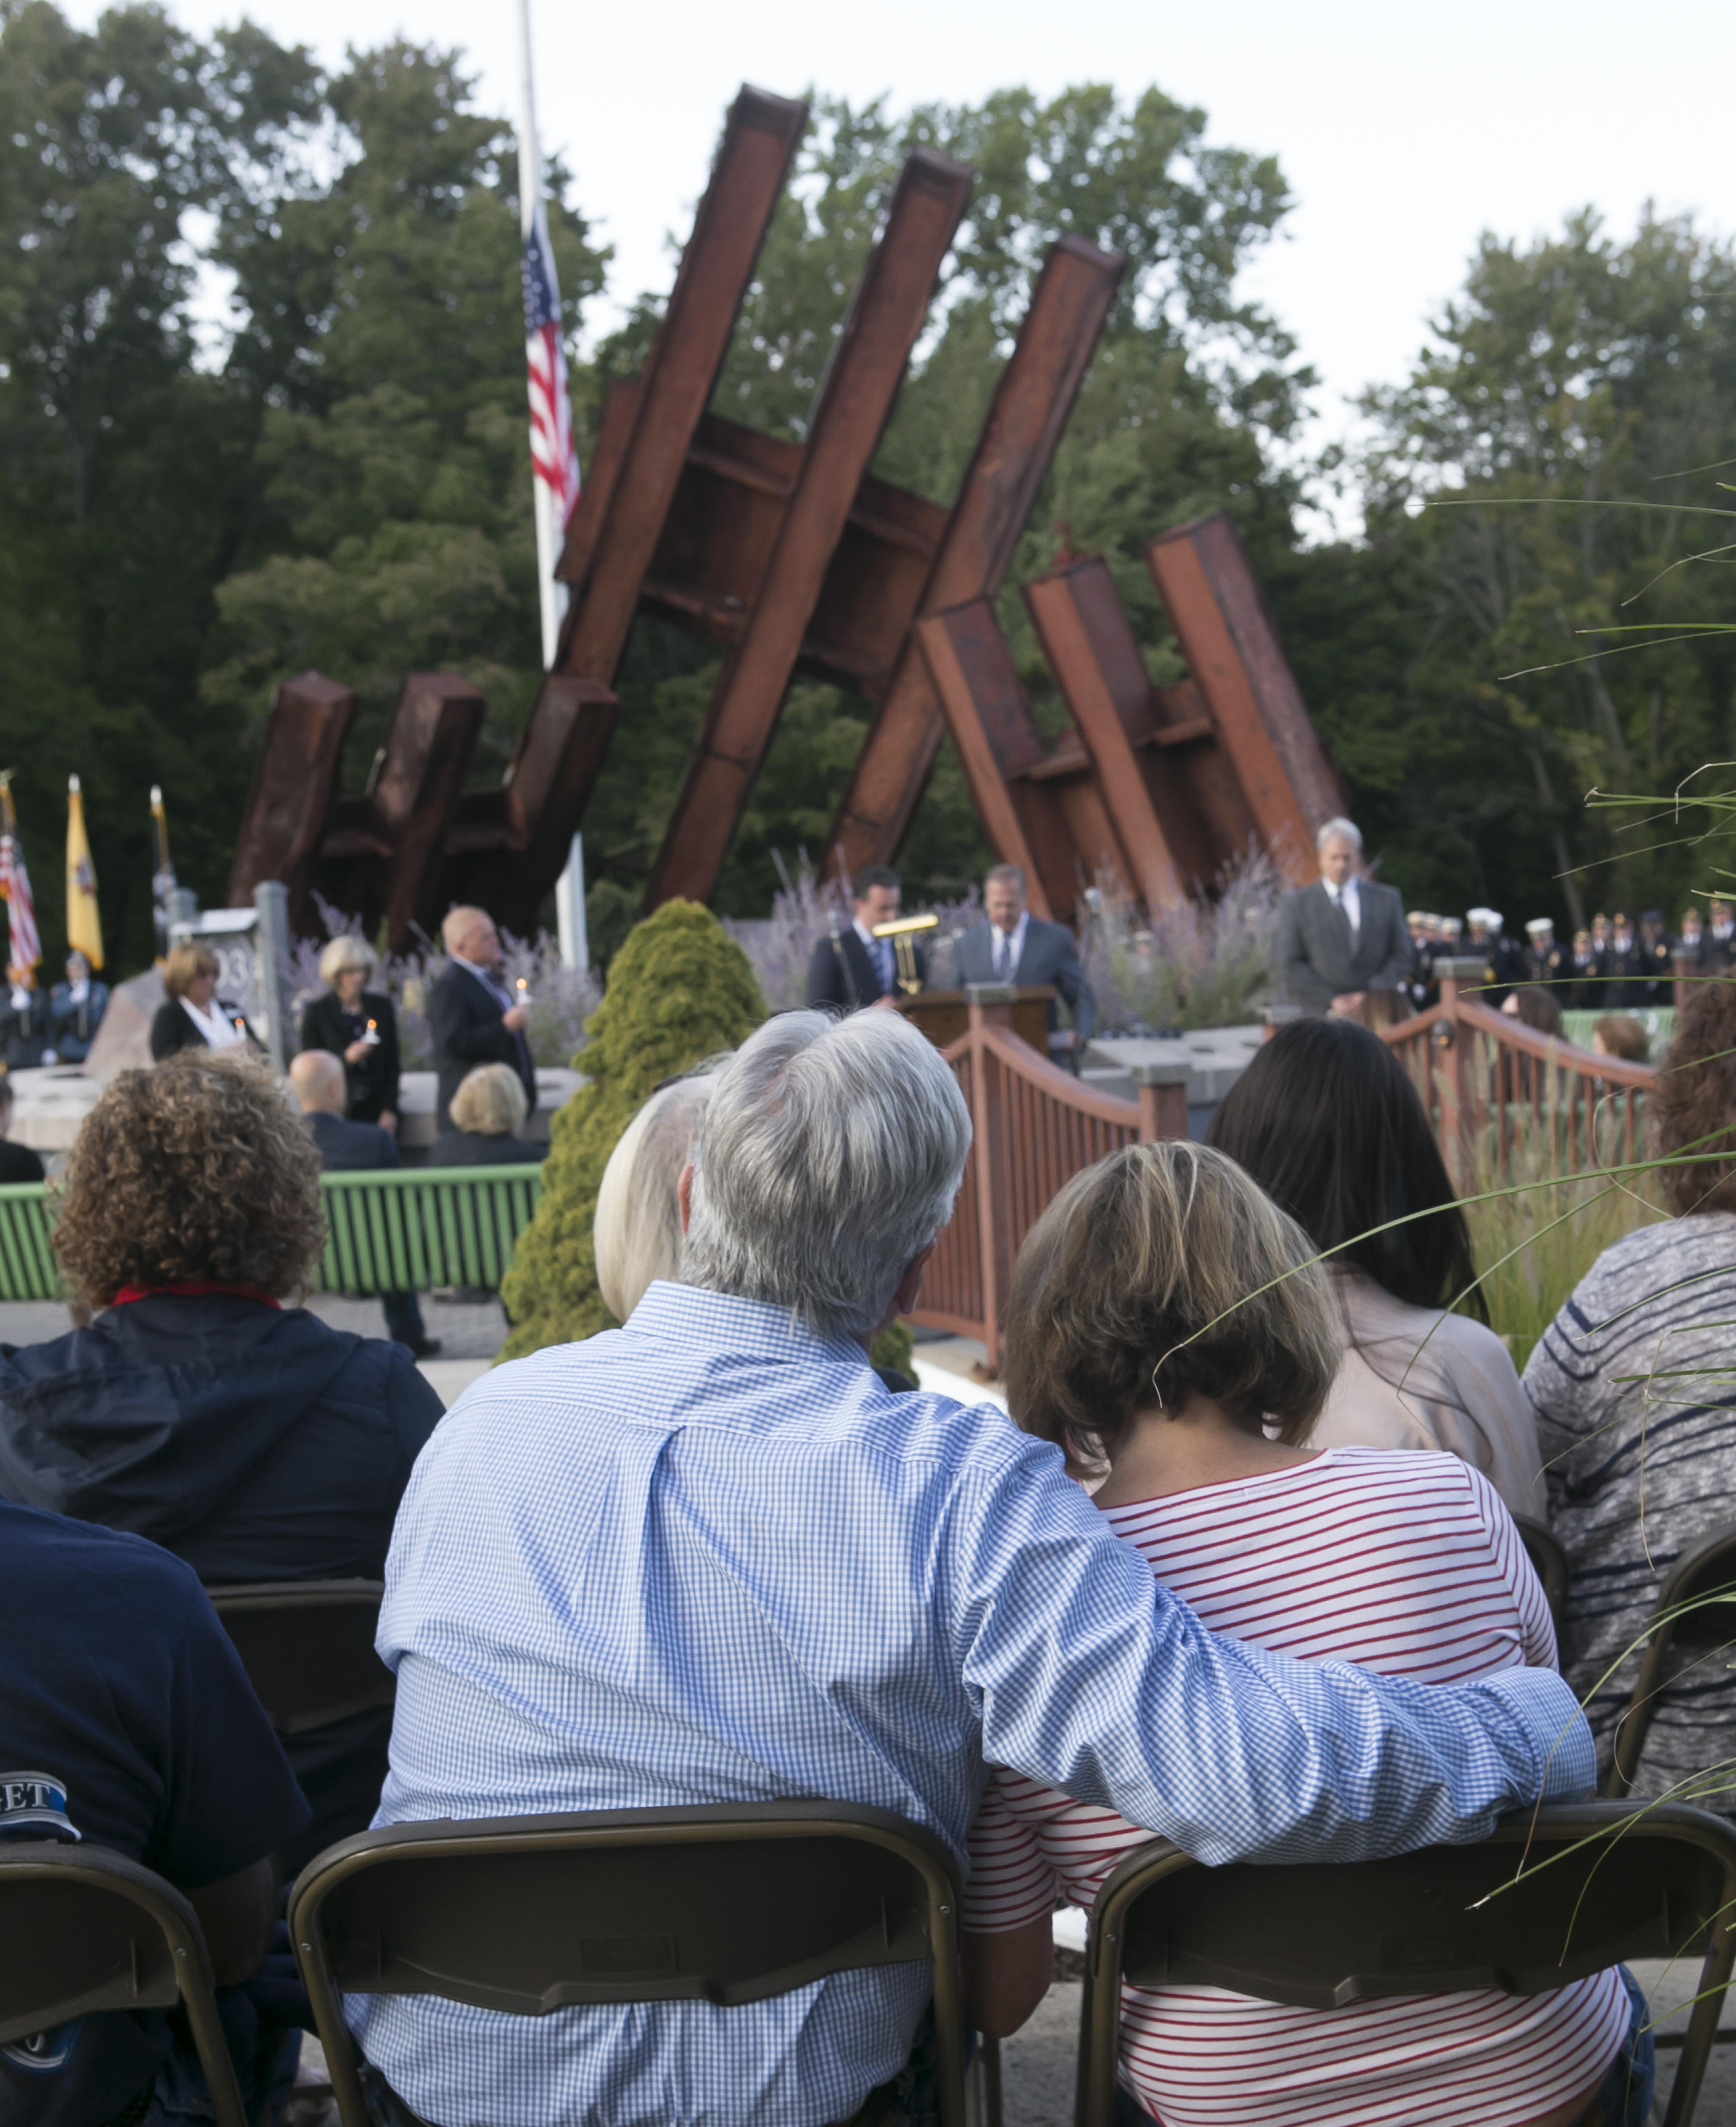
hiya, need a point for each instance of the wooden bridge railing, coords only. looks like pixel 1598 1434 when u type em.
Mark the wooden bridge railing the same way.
pixel 1489 1082
pixel 1035 1126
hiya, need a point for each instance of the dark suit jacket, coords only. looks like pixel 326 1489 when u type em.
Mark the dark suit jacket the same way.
pixel 171 1029
pixel 346 1147
pixel 1317 957
pixel 466 1019
pixel 373 1083
pixel 1049 955
pixel 471 1149
pixel 18 1162
pixel 826 982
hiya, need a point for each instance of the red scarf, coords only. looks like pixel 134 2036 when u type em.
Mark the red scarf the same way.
pixel 192 1288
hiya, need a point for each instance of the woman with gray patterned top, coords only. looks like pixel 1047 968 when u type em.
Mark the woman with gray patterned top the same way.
pixel 1634 1387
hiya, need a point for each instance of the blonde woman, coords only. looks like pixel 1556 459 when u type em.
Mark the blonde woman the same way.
pixel 1146 1336
pixel 192 1016
pixel 488 1110
pixel 359 1026
pixel 637 1229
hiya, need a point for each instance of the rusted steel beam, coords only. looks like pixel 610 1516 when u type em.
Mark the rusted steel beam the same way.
pixel 295 780
pixel 1031 404
pixel 1014 780
pixel 380 850
pixel 868 365
pixel 1233 651
pixel 1091 650
pixel 759 140
pixel 507 847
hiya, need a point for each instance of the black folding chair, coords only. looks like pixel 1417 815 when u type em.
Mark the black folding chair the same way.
pixel 728 1903
pixel 1619 1884
pixel 307 1648
pixel 84 1932
pixel 1706 1570
pixel 1549 1561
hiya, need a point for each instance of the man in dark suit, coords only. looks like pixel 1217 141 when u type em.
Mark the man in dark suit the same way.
pixel 856 969
pixel 322 1090
pixel 1015 946
pixel 472 1014
pixel 1347 937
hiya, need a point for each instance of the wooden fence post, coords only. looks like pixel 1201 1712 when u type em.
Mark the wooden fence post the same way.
pixel 991 1004
pixel 1687 966
pixel 1457 1095
pixel 1162 1092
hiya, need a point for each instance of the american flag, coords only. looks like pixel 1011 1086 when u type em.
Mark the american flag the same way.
pixel 553 454
pixel 24 948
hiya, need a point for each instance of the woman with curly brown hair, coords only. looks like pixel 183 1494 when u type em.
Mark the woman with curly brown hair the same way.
pixel 1635 1397
pixel 203 1407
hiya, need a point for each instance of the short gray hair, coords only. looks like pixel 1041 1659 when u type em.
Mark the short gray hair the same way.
pixel 1012 874
pixel 831 1153
pixel 345 951
pixel 636 1232
pixel 490 1102
pixel 1339 830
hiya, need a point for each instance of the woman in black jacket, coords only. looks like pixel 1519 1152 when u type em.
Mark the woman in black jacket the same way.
pixel 359 1026
pixel 193 1015
pixel 203 1407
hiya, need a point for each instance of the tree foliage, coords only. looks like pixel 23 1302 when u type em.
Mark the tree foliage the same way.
pixel 680 990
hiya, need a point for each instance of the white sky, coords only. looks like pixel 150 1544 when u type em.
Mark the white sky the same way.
pixel 1404 131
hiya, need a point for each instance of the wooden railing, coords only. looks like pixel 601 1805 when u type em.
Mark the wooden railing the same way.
pixel 1033 1127
pixel 1490 1083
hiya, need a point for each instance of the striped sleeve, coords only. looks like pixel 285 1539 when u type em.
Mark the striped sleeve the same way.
pixel 1010 1883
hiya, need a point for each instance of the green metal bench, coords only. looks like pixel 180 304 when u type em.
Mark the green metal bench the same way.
pixel 403 1230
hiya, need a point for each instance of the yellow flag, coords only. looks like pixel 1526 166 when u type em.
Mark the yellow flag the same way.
pixel 83 924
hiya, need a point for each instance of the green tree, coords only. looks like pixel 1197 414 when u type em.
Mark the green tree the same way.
pixel 128 463
pixel 680 989
pixel 1531 488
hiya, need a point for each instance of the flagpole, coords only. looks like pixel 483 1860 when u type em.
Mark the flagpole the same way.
pixel 551 593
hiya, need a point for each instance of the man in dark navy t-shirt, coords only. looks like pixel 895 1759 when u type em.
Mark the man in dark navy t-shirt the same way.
pixel 127 1722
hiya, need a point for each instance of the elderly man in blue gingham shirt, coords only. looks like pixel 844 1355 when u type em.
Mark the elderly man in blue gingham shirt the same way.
pixel 708 1558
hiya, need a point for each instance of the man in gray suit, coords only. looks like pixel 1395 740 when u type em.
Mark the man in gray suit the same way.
pixel 1345 937
pixel 1015 946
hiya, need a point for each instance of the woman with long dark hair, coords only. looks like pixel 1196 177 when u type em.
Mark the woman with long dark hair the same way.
pixel 1327 1122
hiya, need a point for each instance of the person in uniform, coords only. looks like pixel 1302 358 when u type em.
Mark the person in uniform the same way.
pixel 1693 936
pixel 26 1022
pixel 1584 969
pixel 1657 955
pixel 1622 985
pixel 1545 962
pixel 1500 961
pixel 75 1010
pixel 1425 931
pixel 853 969
pixel 1720 935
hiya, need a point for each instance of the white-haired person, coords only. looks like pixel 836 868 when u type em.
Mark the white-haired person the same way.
pixel 472 1016
pixel 359 1026
pixel 488 1110
pixel 708 1556
pixel 1343 942
pixel 1169 1324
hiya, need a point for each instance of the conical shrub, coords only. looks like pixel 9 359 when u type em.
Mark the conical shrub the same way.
pixel 679 990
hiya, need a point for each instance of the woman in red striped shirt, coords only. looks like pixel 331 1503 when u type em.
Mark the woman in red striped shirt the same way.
pixel 1147 1333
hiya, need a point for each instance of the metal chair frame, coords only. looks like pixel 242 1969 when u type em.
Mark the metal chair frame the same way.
pixel 1694 1574
pixel 1549 1561
pixel 300 1694
pixel 1519 1951
pixel 399 1960
pixel 125 1975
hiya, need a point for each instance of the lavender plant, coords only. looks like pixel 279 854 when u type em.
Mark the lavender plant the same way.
pixel 1211 962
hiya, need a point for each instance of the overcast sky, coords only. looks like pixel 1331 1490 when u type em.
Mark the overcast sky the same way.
pixel 1404 131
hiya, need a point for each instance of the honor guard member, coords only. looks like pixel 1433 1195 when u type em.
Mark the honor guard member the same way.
pixel 1622 966
pixel 1499 960
pixel 853 969
pixel 1545 961
pixel 1693 936
pixel 1720 937
pixel 1421 990
pixel 1583 968
pixel 1657 954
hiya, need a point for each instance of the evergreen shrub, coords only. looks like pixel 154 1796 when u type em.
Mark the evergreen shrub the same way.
pixel 679 990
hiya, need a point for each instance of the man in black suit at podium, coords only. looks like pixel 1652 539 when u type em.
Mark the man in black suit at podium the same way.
pixel 1015 946
pixel 856 969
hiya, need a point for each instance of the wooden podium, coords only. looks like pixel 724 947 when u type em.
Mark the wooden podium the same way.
pixel 944 1016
